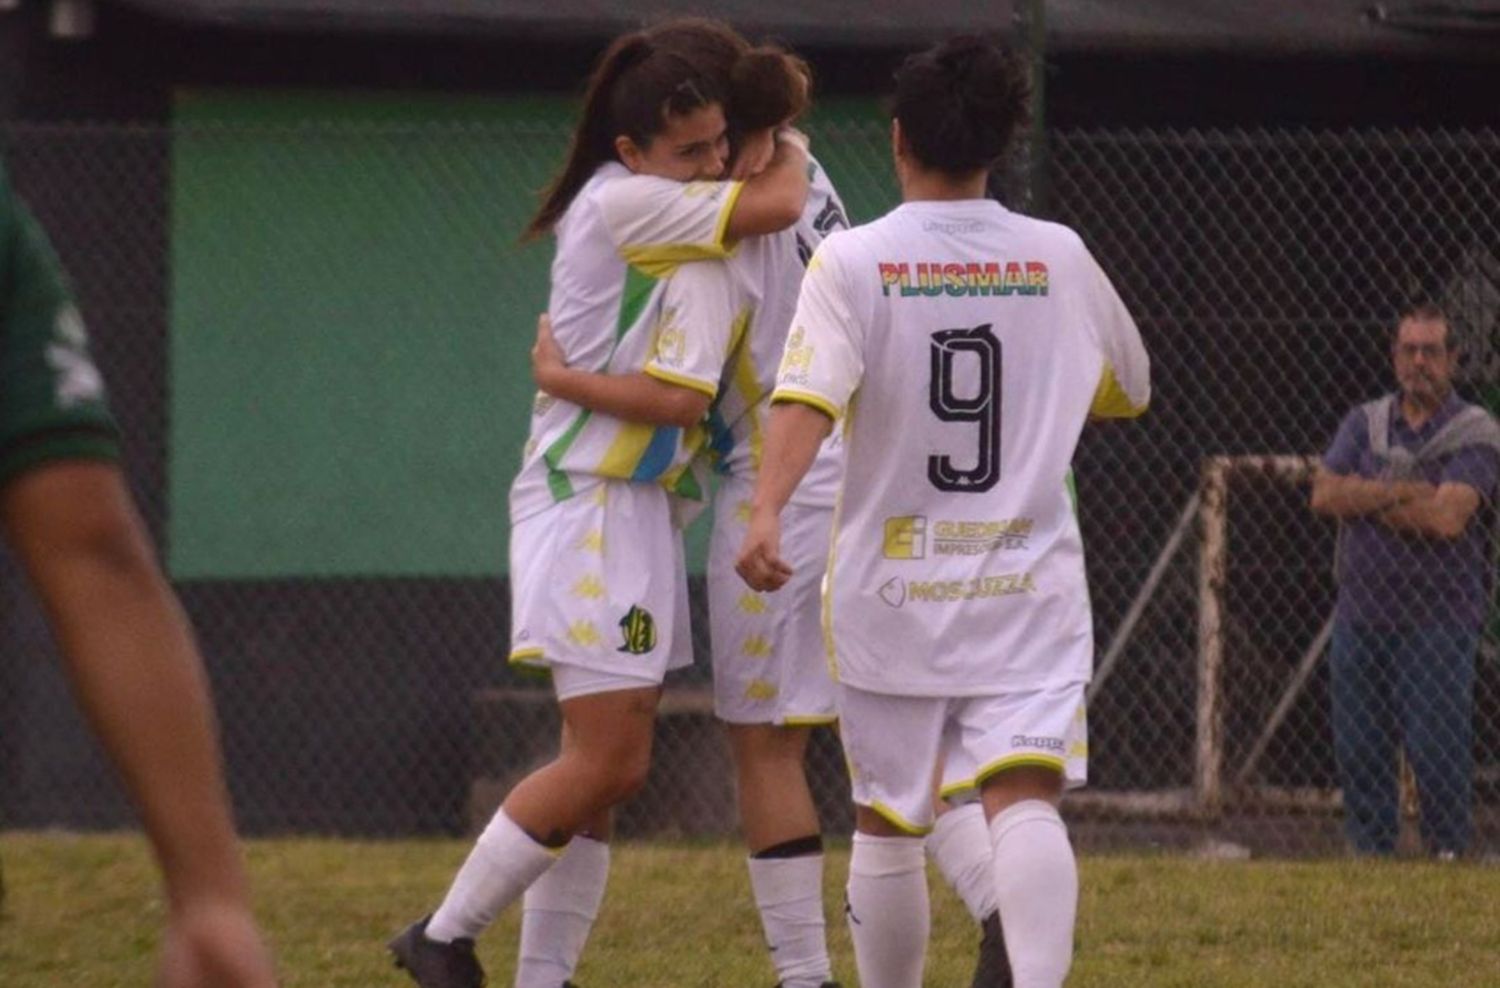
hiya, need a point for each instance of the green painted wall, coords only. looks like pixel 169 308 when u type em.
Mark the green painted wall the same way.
pixel 351 320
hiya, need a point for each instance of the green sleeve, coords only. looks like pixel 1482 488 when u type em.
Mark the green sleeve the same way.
pixel 52 401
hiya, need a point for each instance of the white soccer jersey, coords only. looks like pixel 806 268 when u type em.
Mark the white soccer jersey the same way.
pixel 964 346
pixel 620 238
pixel 737 314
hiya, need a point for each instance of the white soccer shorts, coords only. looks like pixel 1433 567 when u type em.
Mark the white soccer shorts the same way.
pixel 895 743
pixel 598 582
pixel 770 662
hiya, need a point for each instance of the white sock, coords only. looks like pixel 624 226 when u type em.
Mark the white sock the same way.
pixel 960 847
pixel 504 861
pixel 888 915
pixel 558 911
pixel 789 895
pixel 1036 886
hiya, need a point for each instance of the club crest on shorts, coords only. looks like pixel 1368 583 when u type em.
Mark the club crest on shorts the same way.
pixel 639 629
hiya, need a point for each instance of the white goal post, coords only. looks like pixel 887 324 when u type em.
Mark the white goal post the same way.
pixel 1218 474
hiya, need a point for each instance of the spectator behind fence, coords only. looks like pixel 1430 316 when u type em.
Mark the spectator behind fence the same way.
pixel 1411 478
pixel 125 643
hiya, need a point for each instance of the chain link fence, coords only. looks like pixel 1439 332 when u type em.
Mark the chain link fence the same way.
pixel 1265 268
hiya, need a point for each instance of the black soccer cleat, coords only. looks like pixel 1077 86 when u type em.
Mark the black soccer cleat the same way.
pixel 433 964
pixel 992 970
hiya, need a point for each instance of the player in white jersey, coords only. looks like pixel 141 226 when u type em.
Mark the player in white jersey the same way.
pixel 963 347
pixel 771 680
pixel 598 591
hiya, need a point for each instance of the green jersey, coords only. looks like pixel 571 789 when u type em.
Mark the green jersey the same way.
pixel 52 404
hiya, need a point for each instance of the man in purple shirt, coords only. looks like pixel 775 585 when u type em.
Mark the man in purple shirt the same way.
pixel 1412 479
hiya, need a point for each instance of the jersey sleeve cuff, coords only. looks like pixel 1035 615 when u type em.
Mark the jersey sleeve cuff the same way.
pixel 710 388
pixel 54 447
pixel 807 398
pixel 731 198
pixel 1111 401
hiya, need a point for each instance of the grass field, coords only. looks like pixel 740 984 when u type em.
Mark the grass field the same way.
pixel 83 910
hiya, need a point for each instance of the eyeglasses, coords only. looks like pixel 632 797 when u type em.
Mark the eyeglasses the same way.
pixel 1431 351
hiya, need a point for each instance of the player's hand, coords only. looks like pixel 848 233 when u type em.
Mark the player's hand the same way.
pixel 755 152
pixel 214 945
pixel 547 358
pixel 787 134
pixel 759 563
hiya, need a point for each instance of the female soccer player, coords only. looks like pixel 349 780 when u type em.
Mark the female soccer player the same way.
pixel 598 588
pixel 963 346
pixel 771 682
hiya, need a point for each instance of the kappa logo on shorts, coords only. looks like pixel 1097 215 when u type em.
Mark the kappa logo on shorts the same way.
pixel 1055 745
pixel 639 629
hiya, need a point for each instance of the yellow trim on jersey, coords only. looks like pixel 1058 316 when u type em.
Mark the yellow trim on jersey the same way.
pixel 731 199
pixel 826 604
pixel 1016 761
pixel 806 398
pixel 625 453
pixel 660 260
pixel 749 385
pixel 1110 400
pixel 899 822
pixel 710 388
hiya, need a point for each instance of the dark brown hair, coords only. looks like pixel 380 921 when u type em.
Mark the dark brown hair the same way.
pixel 635 87
pixel 672 68
pixel 765 85
pixel 960 104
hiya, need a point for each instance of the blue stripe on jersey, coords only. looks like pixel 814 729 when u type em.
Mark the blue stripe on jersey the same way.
pixel 658 454
pixel 720 439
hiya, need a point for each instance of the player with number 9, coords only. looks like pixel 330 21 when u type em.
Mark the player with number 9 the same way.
pixel 962 348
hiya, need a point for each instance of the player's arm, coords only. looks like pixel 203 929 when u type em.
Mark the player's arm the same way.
pixel 773 200
pixel 657 224
pixel 821 367
pixel 696 328
pixel 136 674
pixel 632 397
pixel 1124 388
pixel 793 437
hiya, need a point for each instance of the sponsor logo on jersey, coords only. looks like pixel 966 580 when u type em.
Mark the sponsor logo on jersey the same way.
pixel 979 538
pixel 960 226
pixel 969 278
pixel 669 342
pixel 955 591
pixel 1044 743
pixel 796 360
pixel 78 380
pixel 906 537
pixel 639 629
pixel 893 592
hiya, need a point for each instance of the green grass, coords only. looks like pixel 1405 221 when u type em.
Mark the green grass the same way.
pixel 85 911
